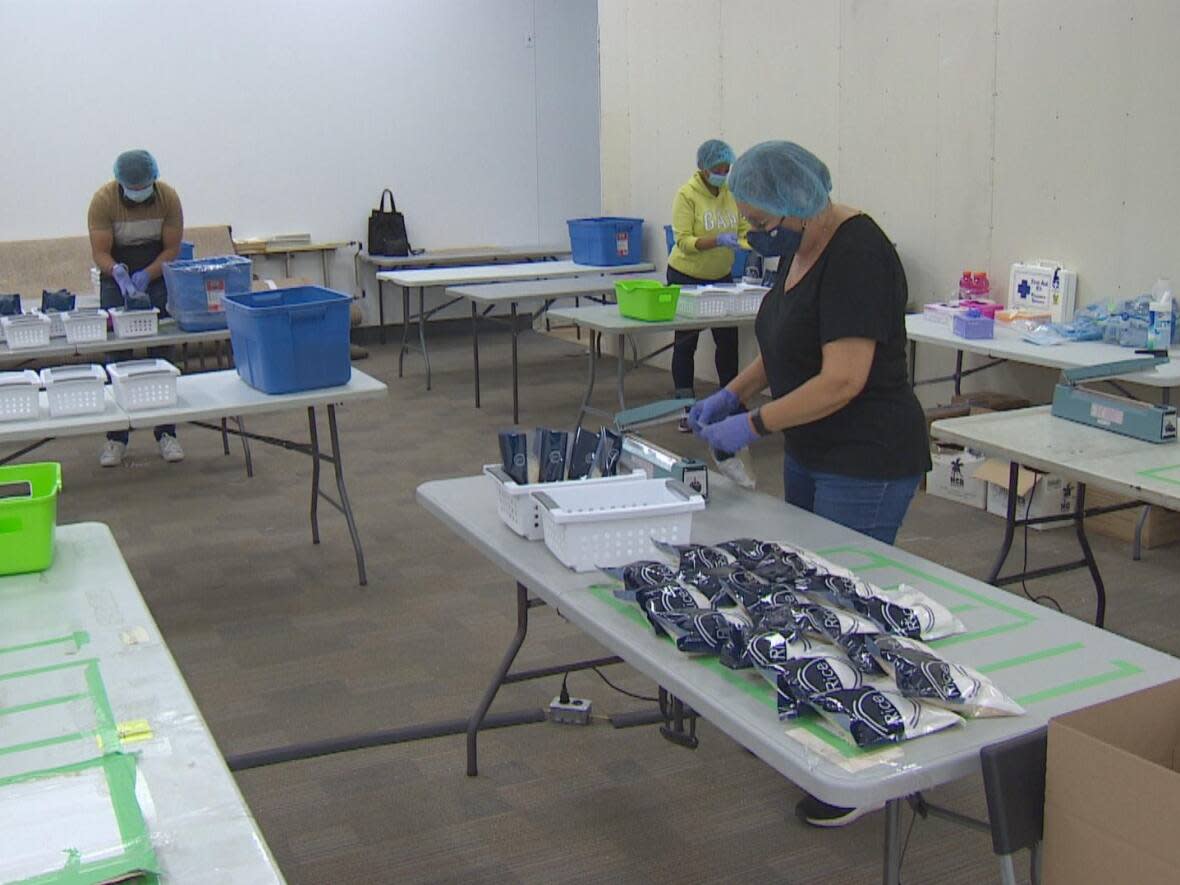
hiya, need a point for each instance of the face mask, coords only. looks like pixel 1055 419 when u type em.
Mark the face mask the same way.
pixel 778 243
pixel 717 180
pixel 142 195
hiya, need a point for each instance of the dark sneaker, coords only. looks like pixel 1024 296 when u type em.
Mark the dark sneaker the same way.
pixel 820 814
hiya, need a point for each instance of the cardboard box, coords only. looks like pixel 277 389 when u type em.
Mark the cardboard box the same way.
pixel 1050 494
pixel 953 477
pixel 1112 791
pixel 1162 526
pixel 991 399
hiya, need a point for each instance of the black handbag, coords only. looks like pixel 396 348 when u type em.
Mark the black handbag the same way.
pixel 387 229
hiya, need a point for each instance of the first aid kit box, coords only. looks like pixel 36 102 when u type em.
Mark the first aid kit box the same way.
pixel 1043 286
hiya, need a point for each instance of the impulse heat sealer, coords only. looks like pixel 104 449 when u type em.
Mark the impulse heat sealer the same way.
pixel 1151 422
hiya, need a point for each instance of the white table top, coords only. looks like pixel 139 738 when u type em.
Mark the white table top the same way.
pixel 169 335
pixel 606 318
pixel 201 397
pixel 1008 345
pixel 1048 662
pixel 530 290
pixel 1111 461
pixel 500 273
pixel 469 255
pixel 201 828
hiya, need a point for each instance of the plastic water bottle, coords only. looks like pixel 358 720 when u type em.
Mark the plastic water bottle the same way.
pixel 1159 321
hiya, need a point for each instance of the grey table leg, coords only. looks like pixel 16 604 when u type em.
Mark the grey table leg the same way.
pixel 1008 870
pixel 621 370
pixel 344 506
pixel 1009 523
pixel 1088 555
pixel 1137 541
pixel 958 371
pixel 381 308
pixel 515 365
pixel 591 375
pixel 314 436
pixel 324 268
pixel 224 437
pixel 422 331
pixel 891 874
pixel 287 264
pixel 245 447
pixel 489 695
pixel 475 347
pixel 401 354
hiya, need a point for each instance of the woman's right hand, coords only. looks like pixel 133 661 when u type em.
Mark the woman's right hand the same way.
pixel 712 409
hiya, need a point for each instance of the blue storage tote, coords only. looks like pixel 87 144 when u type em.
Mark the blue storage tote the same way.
pixel 292 339
pixel 606 241
pixel 196 289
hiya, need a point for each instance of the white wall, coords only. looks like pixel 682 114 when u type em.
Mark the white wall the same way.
pixel 292 116
pixel 976 133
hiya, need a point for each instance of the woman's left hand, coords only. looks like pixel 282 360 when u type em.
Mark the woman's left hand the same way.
pixel 731 434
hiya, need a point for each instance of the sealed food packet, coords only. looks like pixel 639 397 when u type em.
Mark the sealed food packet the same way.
pixel 872 716
pixel 799 679
pixel 703 630
pixel 767 603
pixel 904 611
pixel 920 673
pixel 581 461
pixel 638 575
pixel 694 557
pixel 551 454
pixel 666 599
pixel 856 646
pixel 514 455
pixel 750 552
pixel 606 456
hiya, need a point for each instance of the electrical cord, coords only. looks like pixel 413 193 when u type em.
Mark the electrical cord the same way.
pixel 1024 568
pixel 630 694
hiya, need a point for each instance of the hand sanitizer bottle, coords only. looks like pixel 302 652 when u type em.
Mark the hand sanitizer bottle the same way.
pixel 1159 324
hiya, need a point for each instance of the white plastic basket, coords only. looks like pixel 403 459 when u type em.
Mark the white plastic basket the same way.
pixel 135 323
pixel 587 526
pixel 26 331
pixel 702 302
pixel 143 384
pixel 520 511
pixel 86 324
pixel 57 328
pixel 18 395
pixel 748 299
pixel 74 390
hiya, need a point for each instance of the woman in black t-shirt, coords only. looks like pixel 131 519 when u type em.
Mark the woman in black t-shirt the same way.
pixel 832 350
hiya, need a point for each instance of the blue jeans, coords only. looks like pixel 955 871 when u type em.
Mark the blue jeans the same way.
pixel 873 507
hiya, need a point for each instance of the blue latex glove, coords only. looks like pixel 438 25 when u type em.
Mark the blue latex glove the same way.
pixel 712 408
pixel 120 275
pixel 729 241
pixel 140 280
pixel 731 434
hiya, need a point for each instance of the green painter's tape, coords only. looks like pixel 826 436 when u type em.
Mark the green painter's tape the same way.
pixel 51 668
pixel 1121 670
pixel 46 742
pixel 35 705
pixel 78 639
pixel 1030 658
pixel 1158 473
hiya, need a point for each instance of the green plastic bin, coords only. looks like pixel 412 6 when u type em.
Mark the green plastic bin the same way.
pixel 648 300
pixel 28 518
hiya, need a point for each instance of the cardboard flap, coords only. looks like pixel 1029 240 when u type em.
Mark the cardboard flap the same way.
pixel 995 471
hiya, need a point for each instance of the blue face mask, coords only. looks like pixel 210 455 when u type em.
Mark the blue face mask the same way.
pixel 778 243
pixel 142 195
pixel 717 180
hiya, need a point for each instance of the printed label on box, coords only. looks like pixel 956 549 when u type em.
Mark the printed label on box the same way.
pixel 1106 414
pixel 214 292
pixel 623 244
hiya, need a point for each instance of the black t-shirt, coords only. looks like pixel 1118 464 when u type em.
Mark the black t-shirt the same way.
pixel 855 289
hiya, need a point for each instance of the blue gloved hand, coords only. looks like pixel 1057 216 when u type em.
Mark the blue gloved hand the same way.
pixel 120 275
pixel 712 408
pixel 731 434
pixel 140 280
pixel 729 241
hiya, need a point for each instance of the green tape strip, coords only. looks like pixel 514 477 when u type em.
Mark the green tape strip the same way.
pixel 1030 658
pixel 46 742
pixel 50 668
pixel 24 708
pixel 78 638
pixel 1122 670
pixel 1158 473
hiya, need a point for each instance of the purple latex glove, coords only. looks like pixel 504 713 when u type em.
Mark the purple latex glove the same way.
pixel 730 435
pixel 712 409
pixel 729 241
pixel 140 280
pixel 120 275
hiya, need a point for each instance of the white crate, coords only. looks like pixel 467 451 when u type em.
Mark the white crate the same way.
pixel 697 302
pixel 57 328
pixel 18 395
pixel 26 331
pixel 86 324
pixel 143 384
pixel 135 323
pixel 519 510
pixel 748 299
pixel 74 390
pixel 587 526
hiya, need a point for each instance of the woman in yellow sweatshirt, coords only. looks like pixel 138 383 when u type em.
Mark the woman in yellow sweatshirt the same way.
pixel 708 228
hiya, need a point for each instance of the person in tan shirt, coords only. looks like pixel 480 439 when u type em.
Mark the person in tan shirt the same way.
pixel 136 224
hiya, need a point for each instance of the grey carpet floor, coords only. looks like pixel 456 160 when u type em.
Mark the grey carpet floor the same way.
pixel 279 644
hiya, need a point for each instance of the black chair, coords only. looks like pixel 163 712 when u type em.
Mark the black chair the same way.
pixel 1014 781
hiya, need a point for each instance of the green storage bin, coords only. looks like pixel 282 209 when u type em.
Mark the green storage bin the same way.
pixel 648 300
pixel 28 521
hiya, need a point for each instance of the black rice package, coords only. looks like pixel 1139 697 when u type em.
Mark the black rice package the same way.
pixel 10 305
pixel 60 300
pixel 703 630
pixel 769 602
pixel 656 601
pixel 606 456
pixel 551 452
pixel 750 552
pixel 872 716
pixel 857 647
pixel 639 575
pixel 904 611
pixel 514 456
pixel 798 680
pixel 582 454
pixel 695 557
pixel 920 673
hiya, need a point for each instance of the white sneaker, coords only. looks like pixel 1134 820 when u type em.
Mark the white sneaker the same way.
pixel 734 470
pixel 112 453
pixel 170 449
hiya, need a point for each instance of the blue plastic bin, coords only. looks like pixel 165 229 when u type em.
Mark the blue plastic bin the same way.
pixel 606 241
pixel 196 289
pixel 290 339
pixel 740 256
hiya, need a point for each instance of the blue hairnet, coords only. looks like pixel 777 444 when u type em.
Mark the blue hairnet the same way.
pixel 781 177
pixel 136 169
pixel 712 153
